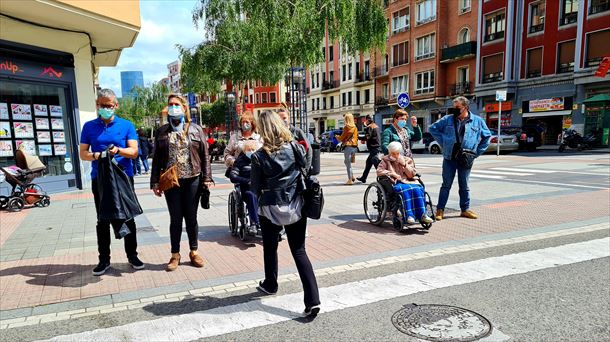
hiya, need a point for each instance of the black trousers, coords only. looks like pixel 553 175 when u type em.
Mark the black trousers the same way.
pixel 182 203
pixel 295 233
pixel 103 230
pixel 372 159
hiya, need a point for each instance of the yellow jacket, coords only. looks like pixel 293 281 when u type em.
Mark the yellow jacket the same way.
pixel 349 137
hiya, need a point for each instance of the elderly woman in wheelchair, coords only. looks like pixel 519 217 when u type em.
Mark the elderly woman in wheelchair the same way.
pixel 240 175
pixel 406 194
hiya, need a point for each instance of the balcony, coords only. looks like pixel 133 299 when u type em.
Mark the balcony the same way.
pixel 363 77
pixel 536 28
pixel 457 52
pixel 569 18
pixel 490 78
pixel 564 68
pixel 593 62
pixel 460 88
pixel 601 7
pixel 534 73
pixel 329 85
pixel 426 20
pixel 381 101
pixel 493 36
pixel 381 71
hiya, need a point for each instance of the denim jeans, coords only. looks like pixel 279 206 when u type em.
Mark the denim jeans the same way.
pixel 144 160
pixel 250 199
pixel 449 169
pixel 371 160
pixel 347 153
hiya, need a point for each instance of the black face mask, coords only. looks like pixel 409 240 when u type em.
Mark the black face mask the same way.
pixel 454 111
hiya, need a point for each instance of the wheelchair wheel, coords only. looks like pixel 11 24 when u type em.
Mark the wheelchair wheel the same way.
pixel 243 222
pixel 429 211
pixel 233 214
pixel 375 204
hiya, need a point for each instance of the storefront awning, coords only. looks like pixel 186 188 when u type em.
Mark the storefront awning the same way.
pixel 598 98
pixel 549 113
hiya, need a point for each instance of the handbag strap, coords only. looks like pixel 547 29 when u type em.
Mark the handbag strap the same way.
pixel 294 151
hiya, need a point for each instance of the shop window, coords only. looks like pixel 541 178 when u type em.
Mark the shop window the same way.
pixel 400 21
pixel 537 13
pixel 493 68
pixel 569 12
pixel 599 6
pixel 400 54
pixel 597 47
pixel 36 116
pixel 494 26
pixel 565 56
pixel 424 82
pixel 534 63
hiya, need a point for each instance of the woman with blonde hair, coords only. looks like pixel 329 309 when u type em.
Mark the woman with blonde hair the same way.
pixel 182 145
pixel 349 140
pixel 276 179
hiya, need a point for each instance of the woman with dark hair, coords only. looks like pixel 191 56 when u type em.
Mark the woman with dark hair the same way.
pixel 276 179
pixel 181 144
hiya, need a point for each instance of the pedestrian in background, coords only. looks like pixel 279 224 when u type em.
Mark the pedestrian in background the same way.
pixel 373 145
pixel 402 132
pixel 277 181
pixel 98 135
pixel 182 144
pixel 473 136
pixel 144 150
pixel 349 141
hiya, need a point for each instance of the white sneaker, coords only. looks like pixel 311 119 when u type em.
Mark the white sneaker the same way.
pixel 426 219
pixel 410 220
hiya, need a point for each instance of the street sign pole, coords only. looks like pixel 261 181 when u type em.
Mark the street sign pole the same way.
pixel 499 126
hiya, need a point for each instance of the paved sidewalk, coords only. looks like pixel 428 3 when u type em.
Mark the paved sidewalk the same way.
pixel 47 254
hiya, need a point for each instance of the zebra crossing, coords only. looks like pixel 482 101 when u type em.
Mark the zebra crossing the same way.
pixel 497 172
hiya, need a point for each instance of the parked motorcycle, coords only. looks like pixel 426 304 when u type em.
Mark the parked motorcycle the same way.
pixel 572 139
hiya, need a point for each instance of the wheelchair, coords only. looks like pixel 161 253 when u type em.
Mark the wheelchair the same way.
pixel 380 199
pixel 239 220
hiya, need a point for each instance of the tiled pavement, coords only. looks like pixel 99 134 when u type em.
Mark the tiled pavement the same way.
pixel 47 254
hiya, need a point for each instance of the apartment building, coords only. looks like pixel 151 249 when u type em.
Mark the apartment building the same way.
pixel 544 53
pixel 173 73
pixel 258 96
pixel 342 83
pixel 430 54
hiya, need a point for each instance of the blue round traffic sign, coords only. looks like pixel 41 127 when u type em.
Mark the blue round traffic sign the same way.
pixel 403 100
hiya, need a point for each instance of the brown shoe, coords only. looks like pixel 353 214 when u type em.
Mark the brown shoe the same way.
pixel 469 214
pixel 173 262
pixel 349 182
pixel 440 213
pixel 196 259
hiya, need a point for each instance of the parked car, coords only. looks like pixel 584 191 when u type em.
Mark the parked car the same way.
pixel 328 140
pixel 509 143
pixel 421 146
pixel 362 142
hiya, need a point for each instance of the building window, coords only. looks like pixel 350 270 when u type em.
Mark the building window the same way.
pixel 462 75
pixel 367 70
pixel 264 97
pixel 331 76
pixel 324 53
pixel 598 6
pixel 349 98
pixel 350 74
pixel 493 68
pixel 343 73
pixel 464 36
pixel 597 47
pixel 318 103
pixel 343 100
pixel 272 98
pixel 424 82
pixel 385 90
pixel 313 104
pixel 537 13
pixel 425 47
pixel 332 102
pixel 426 11
pixel 367 96
pixel 464 6
pixel 400 22
pixel 324 103
pixel 357 97
pixel 400 84
pixel 569 12
pixel 400 54
pixel 331 53
pixel 257 101
pixel 565 56
pixel 534 63
pixel 494 26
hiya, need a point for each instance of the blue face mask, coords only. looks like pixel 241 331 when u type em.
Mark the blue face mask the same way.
pixel 249 154
pixel 402 123
pixel 105 113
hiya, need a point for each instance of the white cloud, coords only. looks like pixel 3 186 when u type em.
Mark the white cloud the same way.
pixel 164 24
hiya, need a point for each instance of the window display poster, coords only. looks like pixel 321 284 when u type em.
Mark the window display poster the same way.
pixel 57 123
pixel 44 136
pixel 21 111
pixel 59 137
pixel 6 148
pixel 45 150
pixel 29 146
pixel 3 110
pixel 42 123
pixel 60 149
pixel 5 129
pixel 23 129
pixel 40 110
pixel 56 111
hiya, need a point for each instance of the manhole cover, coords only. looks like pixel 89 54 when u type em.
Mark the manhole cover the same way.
pixel 433 322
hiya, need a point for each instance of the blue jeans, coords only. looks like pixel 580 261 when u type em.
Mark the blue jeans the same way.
pixel 449 169
pixel 347 154
pixel 144 159
pixel 250 199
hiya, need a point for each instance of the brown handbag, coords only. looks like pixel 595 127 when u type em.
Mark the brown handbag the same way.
pixel 169 178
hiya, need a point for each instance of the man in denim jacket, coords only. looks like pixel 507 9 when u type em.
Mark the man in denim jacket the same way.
pixel 474 137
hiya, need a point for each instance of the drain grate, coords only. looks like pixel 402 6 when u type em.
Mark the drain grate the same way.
pixel 441 323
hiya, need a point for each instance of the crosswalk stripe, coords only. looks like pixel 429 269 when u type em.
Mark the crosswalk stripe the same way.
pixel 514 169
pixel 272 310
pixel 476 175
pixel 503 173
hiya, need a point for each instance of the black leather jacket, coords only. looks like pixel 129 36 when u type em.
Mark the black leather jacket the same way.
pixel 276 178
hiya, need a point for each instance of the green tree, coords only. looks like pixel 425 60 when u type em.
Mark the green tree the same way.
pixel 213 114
pixel 145 104
pixel 260 39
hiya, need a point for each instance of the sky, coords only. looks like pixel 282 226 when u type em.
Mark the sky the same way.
pixel 164 24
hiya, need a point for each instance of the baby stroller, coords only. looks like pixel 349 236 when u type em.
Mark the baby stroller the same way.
pixel 20 177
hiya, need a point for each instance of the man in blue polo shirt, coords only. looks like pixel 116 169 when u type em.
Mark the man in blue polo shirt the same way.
pixel 96 136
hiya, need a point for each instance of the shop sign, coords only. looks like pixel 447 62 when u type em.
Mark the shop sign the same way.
pixel 50 72
pixel 545 105
pixel 493 107
pixel 11 67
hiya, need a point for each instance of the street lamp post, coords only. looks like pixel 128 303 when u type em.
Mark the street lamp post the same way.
pixel 295 81
pixel 231 120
